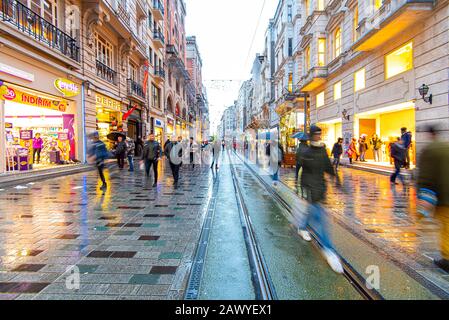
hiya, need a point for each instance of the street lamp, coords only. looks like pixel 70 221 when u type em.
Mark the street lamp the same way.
pixel 423 91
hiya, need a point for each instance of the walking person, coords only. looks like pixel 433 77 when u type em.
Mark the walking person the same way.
pixel 302 147
pixel 130 150
pixel 193 148
pixel 363 147
pixel 223 145
pixel 151 155
pixel 406 137
pixel 376 143
pixel 315 163
pixel 398 154
pixel 97 153
pixel 215 154
pixel 120 152
pixel 337 151
pixel 173 152
pixel 433 177
pixel 38 144
pixel 352 151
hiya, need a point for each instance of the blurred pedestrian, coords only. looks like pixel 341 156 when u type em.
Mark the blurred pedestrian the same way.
pixel 352 150
pixel 216 154
pixel 406 137
pixel 433 178
pixel 223 145
pixel 303 146
pixel 315 163
pixel 97 153
pixel 130 150
pixel 173 152
pixel 38 144
pixel 193 148
pixel 376 144
pixel 398 154
pixel 337 151
pixel 120 152
pixel 151 155
pixel 363 147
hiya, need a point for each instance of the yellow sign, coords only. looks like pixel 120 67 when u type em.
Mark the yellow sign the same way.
pixel 11 94
pixel 108 103
pixel 66 87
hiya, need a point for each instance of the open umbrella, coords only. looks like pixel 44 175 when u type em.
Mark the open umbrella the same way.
pixel 300 136
pixel 114 136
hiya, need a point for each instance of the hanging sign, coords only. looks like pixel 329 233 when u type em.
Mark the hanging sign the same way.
pixel 11 94
pixel 66 87
pixel 108 103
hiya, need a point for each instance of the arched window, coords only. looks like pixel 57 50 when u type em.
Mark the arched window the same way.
pixel 337 42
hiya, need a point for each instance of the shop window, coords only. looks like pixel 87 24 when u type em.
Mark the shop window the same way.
pixel 103 51
pixel 320 99
pixel 337 42
pixel 322 52
pixel 337 91
pixel 399 61
pixel 320 5
pixel 359 80
pixel 307 59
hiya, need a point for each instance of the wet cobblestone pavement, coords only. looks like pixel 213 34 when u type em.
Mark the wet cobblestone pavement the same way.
pixel 386 217
pixel 132 242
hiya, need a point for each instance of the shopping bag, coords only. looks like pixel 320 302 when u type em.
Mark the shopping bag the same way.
pixel 427 202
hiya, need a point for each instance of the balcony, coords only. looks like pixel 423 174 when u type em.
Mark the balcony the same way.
pixel 159 74
pixel 106 73
pixel 158 39
pixel 158 10
pixel 315 78
pixel 135 90
pixel 123 15
pixel 171 49
pixel 36 27
pixel 393 18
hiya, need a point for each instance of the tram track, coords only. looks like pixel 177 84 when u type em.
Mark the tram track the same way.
pixel 262 272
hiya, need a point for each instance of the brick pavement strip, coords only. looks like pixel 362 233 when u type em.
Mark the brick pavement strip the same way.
pixel 132 242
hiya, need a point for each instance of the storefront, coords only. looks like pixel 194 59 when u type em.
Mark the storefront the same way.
pixel 170 128
pixel 290 123
pixel 39 128
pixel 331 131
pixel 387 123
pixel 178 128
pixel 109 117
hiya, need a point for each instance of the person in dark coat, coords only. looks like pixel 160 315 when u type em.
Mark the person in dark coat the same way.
pixel 120 152
pixel 302 147
pixel 406 138
pixel 315 163
pixel 337 151
pixel 173 151
pixel 398 154
pixel 151 155
pixel 363 147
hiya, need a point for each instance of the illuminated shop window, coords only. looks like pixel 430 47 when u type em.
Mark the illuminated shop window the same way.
pixel 359 80
pixel 337 91
pixel 290 82
pixel 320 99
pixel 399 61
pixel 355 23
pixel 306 6
pixel 321 52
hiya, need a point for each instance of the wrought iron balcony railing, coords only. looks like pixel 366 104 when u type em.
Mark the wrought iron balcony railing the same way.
pixel 135 89
pixel 106 73
pixel 123 14
pixel 157 5
pixel 32 24
pixel 159 72
pixel 157 35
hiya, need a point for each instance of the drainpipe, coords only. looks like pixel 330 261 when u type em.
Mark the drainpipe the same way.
pixel 83 121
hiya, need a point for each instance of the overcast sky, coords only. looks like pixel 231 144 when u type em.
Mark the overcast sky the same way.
pixel 224 30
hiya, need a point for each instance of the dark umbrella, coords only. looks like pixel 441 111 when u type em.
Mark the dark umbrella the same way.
pixel 301 136
pixel 114 136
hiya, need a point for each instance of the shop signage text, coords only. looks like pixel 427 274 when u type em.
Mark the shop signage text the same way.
pixel 108 103
pixel 16 72
pixel 14 95
pixel 66 87
pixel 26 134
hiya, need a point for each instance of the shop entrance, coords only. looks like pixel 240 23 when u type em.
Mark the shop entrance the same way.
pixel 331 131
pixel 387 124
